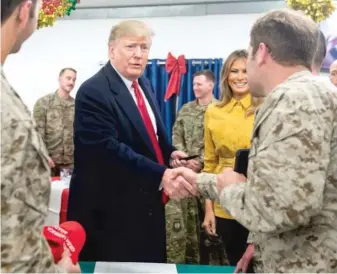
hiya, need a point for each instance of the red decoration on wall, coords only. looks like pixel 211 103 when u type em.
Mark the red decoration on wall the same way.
pixel 176 67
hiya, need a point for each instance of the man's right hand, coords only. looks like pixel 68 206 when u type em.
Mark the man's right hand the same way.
pixel 176 186
pixel 51 162
pixel 245 260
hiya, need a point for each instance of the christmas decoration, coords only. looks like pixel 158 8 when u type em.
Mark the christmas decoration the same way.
pixel 177 67
pixel 51 9
pixel 318 10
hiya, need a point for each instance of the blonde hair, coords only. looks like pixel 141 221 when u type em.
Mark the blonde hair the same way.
pixel 130 28
pixel 226 91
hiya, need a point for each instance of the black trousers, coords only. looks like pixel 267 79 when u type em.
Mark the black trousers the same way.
pixel 234 236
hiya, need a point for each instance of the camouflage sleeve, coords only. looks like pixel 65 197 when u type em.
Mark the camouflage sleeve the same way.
pixel 23 246
pixel 39 113
pixel 285 188
pixel 210 158
pixel 178 139
pixel 202 151
pixel 206 183
pixel 202 157
pixel 250 239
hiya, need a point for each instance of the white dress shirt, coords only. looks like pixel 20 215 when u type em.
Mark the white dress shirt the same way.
pixel 128 84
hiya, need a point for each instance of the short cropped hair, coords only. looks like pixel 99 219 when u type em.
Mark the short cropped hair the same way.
pixel 291 37
pixel 207 73
pixel 321 50
pixel 65 69
pixel 8 7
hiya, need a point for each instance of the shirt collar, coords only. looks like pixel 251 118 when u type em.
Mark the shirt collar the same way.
pixel 213 101
pixel 127 82
pixel 60 99
pixel 299 74
pixel 245 102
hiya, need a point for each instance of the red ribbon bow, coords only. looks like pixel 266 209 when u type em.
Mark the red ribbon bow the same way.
pixel 176 67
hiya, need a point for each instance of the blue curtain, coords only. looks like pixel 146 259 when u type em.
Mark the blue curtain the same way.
pixel 155 71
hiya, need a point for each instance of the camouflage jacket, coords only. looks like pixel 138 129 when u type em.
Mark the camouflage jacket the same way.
pixel 289 201
pixel 25 189
pixel 55 118
pixel 188 129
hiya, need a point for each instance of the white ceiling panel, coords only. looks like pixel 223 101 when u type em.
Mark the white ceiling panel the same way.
pixel 102 9
pixel 142 3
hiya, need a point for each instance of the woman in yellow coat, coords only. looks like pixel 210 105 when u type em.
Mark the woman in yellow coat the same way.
pixel 228 127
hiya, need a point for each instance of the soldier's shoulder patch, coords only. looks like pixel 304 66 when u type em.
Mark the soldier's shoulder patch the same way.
pixel 176 225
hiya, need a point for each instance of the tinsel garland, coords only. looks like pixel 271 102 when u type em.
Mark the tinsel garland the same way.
pixel 51 9
pixel 318 10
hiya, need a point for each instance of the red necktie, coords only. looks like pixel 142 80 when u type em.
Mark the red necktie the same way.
pixel 149 127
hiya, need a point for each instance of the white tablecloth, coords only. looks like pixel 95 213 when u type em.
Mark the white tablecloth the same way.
pixel 134 268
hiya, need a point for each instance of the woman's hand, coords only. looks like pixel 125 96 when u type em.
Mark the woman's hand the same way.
pixel 209 223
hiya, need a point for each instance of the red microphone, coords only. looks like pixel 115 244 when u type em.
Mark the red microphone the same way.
pixel 69 234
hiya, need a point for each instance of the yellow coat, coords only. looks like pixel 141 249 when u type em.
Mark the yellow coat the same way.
pixel 227 129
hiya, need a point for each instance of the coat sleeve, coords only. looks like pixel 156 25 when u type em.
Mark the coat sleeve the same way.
pixel 285 178
pixel 39 114
pixel 96 131
pixel 166 146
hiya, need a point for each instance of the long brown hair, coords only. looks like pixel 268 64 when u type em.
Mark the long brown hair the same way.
pixel 226 91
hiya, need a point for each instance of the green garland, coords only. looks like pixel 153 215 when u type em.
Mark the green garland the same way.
pixel 51 9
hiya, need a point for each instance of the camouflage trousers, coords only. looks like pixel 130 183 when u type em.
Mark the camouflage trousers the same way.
pixel 257 261
pixel 182 231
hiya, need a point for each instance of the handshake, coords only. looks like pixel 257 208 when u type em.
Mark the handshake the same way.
pixel 181 181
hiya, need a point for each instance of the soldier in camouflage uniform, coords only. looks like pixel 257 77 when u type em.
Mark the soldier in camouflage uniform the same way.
pixel 289 200
pixel 182 217
pixel 54 115
pixel 25 184
pixel 315 68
